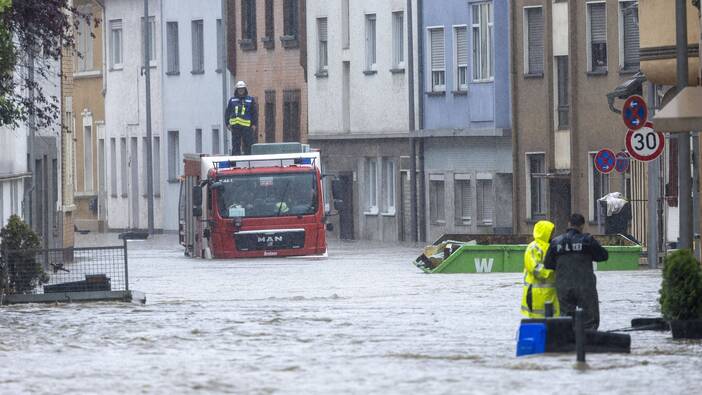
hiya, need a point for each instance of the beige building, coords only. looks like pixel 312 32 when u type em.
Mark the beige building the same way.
pixel 89 115
pixel 567 55
pixel 267 47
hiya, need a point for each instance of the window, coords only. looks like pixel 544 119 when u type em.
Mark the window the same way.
pixel 389 178
pixel 482 42
pixel 562 90
pixel 123 166
pixel 116 44
pixel 372 186
pixel 461 51
pixel 14 197
pixel 345 28
pixel 173 156
pixel 145 161
pixel 437 212
pixel 537 186
pixel 113 167
pixel 534 40
pixel 438 60
pixel 599 186
pixel 270 23
pixel 323 56
pixel 216 146
pixel 370 43
pixel 486 201
pixel 88 158
pixel 156 155
pixel 84 43
pixel 597 36
pixel 291 10
pixel 398 39
pixel 629 35
pixel 198 141
pixel 291 116
pixel 152 40
pixel 463 199
pixel 248 22
pixel 220 46
pixel 172 47
pixel 270 116
pixel 198 47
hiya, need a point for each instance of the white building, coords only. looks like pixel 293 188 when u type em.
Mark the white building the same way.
pixel 13 171
pixel 186 103
pixel 359 110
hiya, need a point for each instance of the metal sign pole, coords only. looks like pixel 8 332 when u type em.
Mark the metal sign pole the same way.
pixel 149 142
pixel 653 191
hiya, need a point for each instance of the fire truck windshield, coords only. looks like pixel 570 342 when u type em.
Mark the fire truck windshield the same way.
pixel 267 195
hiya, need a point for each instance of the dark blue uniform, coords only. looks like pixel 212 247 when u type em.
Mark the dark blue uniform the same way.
pixel 242 117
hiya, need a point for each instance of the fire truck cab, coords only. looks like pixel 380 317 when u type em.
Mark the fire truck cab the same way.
pixel 270 203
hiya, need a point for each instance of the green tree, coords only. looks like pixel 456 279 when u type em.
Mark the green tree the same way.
pixel 21 272
pixel 40 30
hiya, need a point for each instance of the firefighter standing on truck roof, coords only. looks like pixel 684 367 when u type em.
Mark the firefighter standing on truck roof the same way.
pixel 539 282
pixel 242 115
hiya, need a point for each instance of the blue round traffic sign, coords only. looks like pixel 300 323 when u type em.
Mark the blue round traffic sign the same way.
pixel 635 112
pixel 605 161
pixel 623 162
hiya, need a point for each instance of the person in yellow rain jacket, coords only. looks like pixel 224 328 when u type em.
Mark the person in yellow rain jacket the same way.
pixel 539 282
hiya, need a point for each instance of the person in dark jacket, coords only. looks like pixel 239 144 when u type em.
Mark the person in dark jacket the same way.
pixel 242 115
pixel 571 255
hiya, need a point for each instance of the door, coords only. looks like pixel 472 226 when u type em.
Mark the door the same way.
pixel 405 217
pixel 346 230
pixel 102 191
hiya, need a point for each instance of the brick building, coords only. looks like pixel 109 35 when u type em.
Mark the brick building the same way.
pixel 267 49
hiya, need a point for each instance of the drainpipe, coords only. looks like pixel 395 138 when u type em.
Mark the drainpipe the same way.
pixel 516 204
pixel 685 187
pixel 412 124
pixel 149 137
pixel 422 183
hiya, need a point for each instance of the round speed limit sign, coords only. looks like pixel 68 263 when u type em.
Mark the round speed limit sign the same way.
pixel 645 144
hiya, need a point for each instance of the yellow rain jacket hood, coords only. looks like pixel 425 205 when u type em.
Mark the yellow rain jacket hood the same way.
pixel 539 282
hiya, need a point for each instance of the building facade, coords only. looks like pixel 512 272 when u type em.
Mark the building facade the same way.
pixel 359 111
pixel 88 102
pixel 566 56
pixel 185 60
pixel 267 46
pixel 466 123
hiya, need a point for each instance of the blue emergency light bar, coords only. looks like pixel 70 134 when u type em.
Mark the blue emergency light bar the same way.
pixel 228 164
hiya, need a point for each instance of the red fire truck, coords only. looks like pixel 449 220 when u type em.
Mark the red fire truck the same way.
pixel 270 203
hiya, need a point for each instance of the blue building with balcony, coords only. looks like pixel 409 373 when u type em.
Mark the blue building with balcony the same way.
pixel 466 116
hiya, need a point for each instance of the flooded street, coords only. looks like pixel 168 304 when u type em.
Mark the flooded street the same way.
pixel 362 321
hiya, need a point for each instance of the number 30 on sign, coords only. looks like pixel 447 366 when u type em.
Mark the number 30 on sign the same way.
pixel 645 144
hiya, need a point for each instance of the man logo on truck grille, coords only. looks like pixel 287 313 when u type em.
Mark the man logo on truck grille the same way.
pixel 270 240
pixel 483 265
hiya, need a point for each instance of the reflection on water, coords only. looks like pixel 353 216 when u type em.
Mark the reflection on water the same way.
pixel 364 320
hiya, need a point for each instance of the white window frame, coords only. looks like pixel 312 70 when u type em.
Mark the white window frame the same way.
pixel 216 141
pixel 526 25
pixel 620 17
pixel 430 83
pixel 371 186
pixel 588 34
pixel 84 42
pixel 389 170
pixel 398 40
pixel 220 45
pixel 124 166
pixel 371 42
pixel 483 221
pixel 173 150
pixel 197 56
pixel 152 44
pixel 323 46
pixel 528 155
pixel 116 28
pixel 345 24
pixel 460 219
pixel 156 157
pixel 113 167
pixel 456 69
pixel 478 55
pixel 88 173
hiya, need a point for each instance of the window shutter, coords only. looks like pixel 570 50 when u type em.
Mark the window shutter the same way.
pixel 462 46
pixel 322 29
pixel 598 23
pixel 438 59
pixel 535 21
pixel 631 35
pixel 467 199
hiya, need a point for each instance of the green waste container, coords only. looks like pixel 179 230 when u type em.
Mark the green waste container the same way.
pixel 484 257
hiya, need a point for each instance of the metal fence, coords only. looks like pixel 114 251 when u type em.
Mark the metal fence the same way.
pixel 64 270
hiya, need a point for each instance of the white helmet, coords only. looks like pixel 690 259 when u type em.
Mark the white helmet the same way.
pixel 240 85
